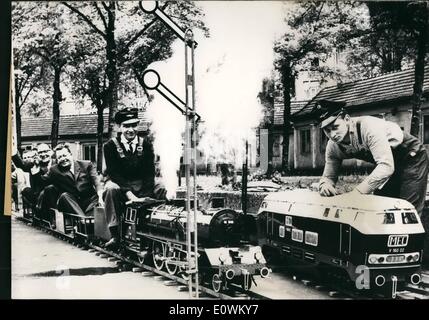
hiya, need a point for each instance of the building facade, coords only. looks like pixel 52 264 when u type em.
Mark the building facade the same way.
pixel 388 96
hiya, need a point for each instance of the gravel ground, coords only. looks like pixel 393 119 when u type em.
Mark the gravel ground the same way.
pixel 213 183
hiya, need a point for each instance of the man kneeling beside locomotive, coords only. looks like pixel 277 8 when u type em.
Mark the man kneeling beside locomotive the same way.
pixel 401 161
pixel 130 170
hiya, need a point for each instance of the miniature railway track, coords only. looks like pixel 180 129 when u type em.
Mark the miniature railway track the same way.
pixel 412 292
pixel 126 263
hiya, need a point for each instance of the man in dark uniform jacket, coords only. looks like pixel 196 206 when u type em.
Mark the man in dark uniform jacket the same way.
pixel 130 170
pixel 75 181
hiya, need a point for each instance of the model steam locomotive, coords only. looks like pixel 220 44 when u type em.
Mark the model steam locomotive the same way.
pixel 156 232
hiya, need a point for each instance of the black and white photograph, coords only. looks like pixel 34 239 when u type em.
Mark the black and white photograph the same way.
pixel 232 150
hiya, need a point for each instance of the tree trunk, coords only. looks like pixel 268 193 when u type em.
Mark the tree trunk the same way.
pixel 56 107
pixel 287 79
pixel 419 72
pixel 270 150
pixel 17 115
pixel 100 129
pixel 111 69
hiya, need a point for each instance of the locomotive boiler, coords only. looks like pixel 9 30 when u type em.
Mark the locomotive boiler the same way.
pixel 369 241
pixel 225 256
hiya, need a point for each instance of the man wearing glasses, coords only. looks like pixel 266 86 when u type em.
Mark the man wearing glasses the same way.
pixel 130 170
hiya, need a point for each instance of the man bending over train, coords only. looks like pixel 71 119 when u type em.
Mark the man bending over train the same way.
pixel 130 170
pixel 75 183
pixel 401 160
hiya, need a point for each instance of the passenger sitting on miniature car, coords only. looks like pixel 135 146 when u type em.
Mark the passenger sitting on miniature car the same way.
pixel 130 170
pixel 74 183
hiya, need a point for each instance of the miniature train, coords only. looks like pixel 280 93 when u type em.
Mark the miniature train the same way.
pixel 371 241
pixel 156 233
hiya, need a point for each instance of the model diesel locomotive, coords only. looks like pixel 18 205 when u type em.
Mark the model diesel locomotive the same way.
pixel 356 235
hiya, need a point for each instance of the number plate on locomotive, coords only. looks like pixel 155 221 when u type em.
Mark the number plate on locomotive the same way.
pixel 395 259
pixel 397 241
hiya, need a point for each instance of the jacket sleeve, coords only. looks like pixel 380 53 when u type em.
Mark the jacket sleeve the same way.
pixel 43 179
pixel 26 167
pixel 150 154
pixel 92 172
pixel 378 144
pixel 333 161
pixel 113 170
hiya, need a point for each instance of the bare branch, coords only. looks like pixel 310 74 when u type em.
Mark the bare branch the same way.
pixel 145 28
pixel 26 96
pixel 106 7
pixel 85 18
pixel 100 14
pixel 320 11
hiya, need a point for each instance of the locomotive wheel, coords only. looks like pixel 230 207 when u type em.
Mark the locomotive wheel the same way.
pixel 182 269
pixel 216 283
pixel 171 267
pixel 158 252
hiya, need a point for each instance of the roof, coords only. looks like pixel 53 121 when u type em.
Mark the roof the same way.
pixel 295 106
pixel 70 125
pixel 389 86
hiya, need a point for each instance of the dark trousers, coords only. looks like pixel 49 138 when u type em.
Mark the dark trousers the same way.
pixel 43 201
pixel 409 181
pixel 29 197
pixel 114 200
pixel 69 203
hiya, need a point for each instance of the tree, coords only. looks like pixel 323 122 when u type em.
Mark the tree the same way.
pixel 90 81
pixel 128 50
pixel 30 72
pixel 41 28
pixel 30 75
pixel 399 32
pixel 266 97
pixel 312 32
pixel 421 26
pixel 115 23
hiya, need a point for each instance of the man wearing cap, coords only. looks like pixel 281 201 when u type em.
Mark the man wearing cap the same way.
pixel 401 161
pixel 130 170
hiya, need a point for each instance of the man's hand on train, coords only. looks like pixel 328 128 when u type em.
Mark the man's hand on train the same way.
pixel 327 190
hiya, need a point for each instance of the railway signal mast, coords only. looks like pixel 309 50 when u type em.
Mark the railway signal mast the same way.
pixel 152 81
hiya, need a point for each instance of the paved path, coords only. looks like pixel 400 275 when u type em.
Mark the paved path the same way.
pixel 44 267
